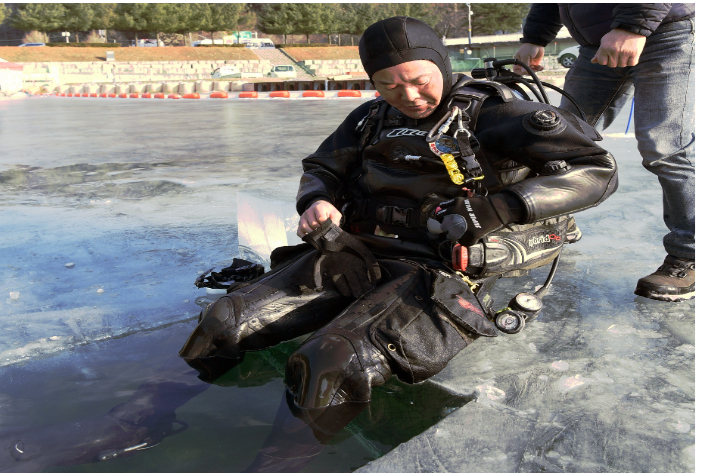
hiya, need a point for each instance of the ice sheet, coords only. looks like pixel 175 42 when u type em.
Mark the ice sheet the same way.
pixel 109 211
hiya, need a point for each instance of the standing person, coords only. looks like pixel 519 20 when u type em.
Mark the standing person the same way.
pixel 644 50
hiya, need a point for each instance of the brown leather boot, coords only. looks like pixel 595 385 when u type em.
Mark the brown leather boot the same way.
pixel 674 281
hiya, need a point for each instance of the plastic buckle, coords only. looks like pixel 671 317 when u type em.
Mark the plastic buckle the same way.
pixel 400 216
pixel 392 215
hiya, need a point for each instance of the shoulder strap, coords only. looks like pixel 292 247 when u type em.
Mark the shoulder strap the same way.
pixel 374 116
pixel 469 94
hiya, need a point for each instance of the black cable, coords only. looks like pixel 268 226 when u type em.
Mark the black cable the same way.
pixel 514 86
pixel 543 290
pixel 528 84
pixel 582 115
pixel 541 85
pixel 506 62
pixel 535 78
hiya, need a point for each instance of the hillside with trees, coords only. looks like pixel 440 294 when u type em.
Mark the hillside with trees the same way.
pixel 175 23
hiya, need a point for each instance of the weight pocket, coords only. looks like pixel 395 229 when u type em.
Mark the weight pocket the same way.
pixel 461 305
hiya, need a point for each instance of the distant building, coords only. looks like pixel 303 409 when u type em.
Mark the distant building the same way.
pixel 503 46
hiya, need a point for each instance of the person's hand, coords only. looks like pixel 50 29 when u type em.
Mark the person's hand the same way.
pixel 530 54
pixel 315 215
pixel 619 48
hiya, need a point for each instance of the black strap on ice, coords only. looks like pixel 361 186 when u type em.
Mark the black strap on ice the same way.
pixel 239 271
pixel 329 238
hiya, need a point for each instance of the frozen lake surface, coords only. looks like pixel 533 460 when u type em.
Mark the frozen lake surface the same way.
pixel 110 209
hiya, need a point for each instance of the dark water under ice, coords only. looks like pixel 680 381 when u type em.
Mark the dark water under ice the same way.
pixel 110 209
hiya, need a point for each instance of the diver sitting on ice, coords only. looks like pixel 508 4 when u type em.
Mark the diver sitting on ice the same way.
pixel 415 205
pixel 411 210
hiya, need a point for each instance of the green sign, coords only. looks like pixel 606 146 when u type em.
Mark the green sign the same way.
pixel 243 34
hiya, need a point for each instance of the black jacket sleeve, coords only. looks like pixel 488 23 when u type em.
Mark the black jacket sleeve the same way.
pixel 328 171
pixel 640 18
pixel 542 24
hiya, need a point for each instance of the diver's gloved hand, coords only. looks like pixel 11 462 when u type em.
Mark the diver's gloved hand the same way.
pixel 468 219
pixel 344 259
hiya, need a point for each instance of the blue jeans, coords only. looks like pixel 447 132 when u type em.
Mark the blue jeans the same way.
pixel 663 84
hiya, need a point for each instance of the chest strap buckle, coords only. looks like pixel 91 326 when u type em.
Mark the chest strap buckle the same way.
pixel 392 215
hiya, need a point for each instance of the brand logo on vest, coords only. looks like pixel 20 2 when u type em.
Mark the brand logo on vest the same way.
pixel 538 240
pixel 406 132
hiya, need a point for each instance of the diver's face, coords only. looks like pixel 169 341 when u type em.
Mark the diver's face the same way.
pixel 414 88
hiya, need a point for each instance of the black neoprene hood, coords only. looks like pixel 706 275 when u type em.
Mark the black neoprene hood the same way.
pixel 402 39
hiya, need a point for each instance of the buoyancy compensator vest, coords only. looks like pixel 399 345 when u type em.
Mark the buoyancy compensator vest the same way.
pixel 407 163
pixel 405 160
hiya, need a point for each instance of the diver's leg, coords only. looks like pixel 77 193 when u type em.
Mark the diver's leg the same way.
pixel 279 306
pixel 394 328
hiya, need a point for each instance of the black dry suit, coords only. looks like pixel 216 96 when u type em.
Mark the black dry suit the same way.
pixel 384 171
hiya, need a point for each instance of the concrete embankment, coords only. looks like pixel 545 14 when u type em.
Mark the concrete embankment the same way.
pixel 187 76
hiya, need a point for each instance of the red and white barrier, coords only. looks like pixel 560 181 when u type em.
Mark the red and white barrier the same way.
pixel 247 94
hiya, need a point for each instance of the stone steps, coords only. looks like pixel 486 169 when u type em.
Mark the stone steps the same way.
pixel 334 67
pixel 278 57
pixel 129 71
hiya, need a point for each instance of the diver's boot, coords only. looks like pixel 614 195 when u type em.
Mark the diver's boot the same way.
pixel 210 348
pixel 674 281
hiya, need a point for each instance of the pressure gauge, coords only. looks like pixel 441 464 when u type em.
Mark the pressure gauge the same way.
pixel 526 302
pixel 509 321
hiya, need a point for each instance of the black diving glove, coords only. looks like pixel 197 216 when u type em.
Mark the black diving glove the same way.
pixel 468 219
pixel 344 259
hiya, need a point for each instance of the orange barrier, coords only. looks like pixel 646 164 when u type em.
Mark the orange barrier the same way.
pixel 174 96
pixel 284 94
pixel 159 95
pixel 191 96
pixel 63 94
pixel 146 96
pixel 112 95
pixel 103 95
pixel 134 95
pixel 219 95
pixel 249 95
pixel 85 94
pixel 349 93
pixel 93 94
pixel 313 93
pixel 123 96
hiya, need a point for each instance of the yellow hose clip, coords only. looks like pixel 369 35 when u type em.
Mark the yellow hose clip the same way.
pixel 472 285
pixel 452 168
